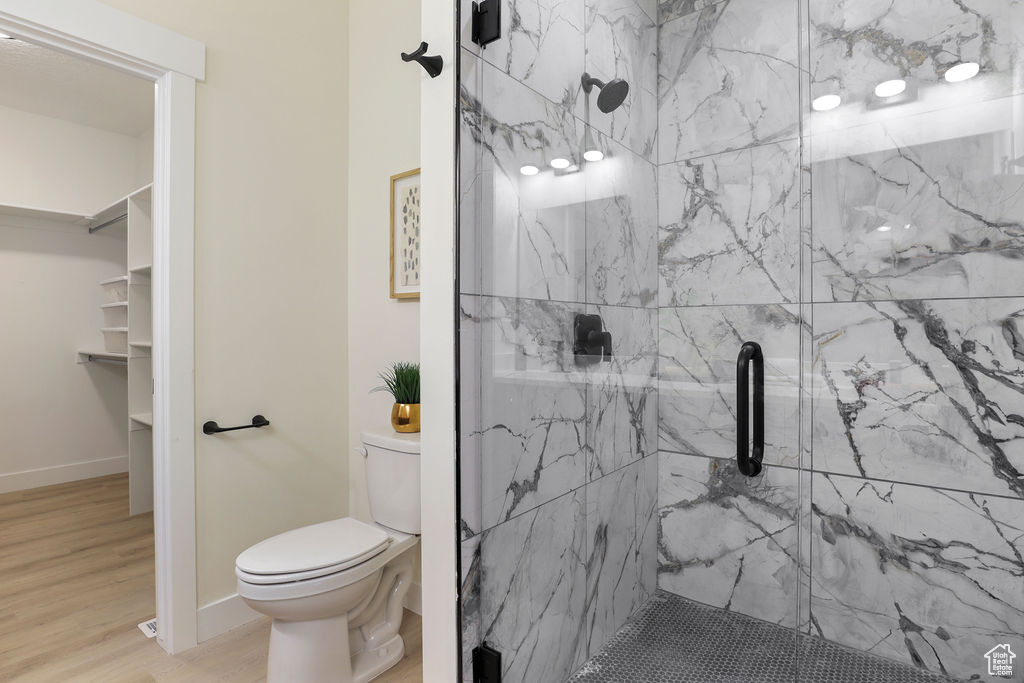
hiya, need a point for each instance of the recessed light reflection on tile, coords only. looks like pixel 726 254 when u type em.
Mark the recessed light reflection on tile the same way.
pixel 826 102
pixel 529 170
pixel 559 163
pixel 883 228
pixel 890 88
pixel 593 155
pixel 962 72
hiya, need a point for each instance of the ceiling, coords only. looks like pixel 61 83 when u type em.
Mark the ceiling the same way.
pixel 54 84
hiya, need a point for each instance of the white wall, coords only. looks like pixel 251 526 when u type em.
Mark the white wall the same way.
pixel 271 282
pixel 384 140
pixel 60 420
pixel 56 165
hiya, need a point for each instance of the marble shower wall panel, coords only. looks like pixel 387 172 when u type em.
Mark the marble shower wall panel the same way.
pixel 927 576
pixel 618 512
pixel 856 44
pixel 927 392
pixel 470 603
pixel 547 45
pixel 729 228
pixel 621 228
pixel 697 371
pixel 528 233
pixel 541 45
pixel 647 526
pixel 930 220
pixel 622 395
pixel 728 78
pixel 526 444
pixel 622 42
pixel 673 9
pixel 533 582
pixel 728 540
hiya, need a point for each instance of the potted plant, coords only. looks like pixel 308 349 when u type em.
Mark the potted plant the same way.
pixel 402 381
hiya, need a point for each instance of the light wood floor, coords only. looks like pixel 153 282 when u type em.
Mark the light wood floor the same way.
pixel 76 577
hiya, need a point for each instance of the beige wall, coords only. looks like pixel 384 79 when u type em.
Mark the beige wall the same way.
pixel 271 281
pixel 384 140
pixel 47 163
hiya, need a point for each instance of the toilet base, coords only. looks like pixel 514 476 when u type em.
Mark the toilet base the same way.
pixel 314 651
pixel 369 664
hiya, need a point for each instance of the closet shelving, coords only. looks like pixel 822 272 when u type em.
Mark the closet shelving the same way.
pixel 128 333
pixel 127 322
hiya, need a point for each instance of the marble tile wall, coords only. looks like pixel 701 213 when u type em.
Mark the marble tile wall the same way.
pixel 874 251
pixel 887 518
pixel 558 464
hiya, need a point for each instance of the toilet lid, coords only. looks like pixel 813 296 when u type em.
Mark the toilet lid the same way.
pixel 338 544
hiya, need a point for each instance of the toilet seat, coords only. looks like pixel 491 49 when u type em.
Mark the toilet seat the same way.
pixel 311 552
pixel 249 588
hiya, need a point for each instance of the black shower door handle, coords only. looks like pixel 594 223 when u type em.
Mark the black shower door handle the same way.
pixel 749 460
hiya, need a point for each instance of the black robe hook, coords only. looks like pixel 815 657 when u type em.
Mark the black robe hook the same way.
pixel 432 65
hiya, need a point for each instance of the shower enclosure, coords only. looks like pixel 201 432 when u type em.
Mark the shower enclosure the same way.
pixel 840 182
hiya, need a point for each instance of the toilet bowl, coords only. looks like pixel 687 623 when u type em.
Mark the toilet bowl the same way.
pixel 336 590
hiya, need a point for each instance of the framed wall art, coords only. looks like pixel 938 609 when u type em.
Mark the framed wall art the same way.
pixel 405 235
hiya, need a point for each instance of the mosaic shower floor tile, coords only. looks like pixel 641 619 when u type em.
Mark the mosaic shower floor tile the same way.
pixel 675 640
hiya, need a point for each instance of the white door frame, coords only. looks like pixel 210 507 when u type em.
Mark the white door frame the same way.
pixel 122 41
pixel 438 164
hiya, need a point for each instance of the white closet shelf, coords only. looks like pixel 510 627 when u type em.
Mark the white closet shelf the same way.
pixel 43 214
pixel 141 344
pixel 116 304
pixel 114 329
pixel 143 419
pixel 141 269
pixel 119 278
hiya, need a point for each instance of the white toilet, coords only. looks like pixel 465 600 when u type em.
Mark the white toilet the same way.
pixel 335 590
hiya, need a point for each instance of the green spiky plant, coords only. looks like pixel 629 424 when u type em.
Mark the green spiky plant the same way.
pixel 402 380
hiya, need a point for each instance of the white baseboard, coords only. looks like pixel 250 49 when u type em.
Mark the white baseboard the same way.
pixel 61 474
pixel 414 599
pixel 223 615
pixel 231 612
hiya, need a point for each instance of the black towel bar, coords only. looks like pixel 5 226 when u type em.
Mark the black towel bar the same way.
pixel 212 427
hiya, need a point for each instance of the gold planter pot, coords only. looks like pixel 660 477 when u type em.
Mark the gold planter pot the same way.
pixel 405 417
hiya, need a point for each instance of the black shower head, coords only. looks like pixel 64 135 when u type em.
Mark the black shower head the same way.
pixel 613 93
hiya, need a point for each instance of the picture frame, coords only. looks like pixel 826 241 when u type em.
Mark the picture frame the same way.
pixel 405 235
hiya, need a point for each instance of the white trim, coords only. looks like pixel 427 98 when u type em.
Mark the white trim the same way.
pixel 103 34
pixel 122 41
pixel 414 599
pixel 61 474
pixel 220 616
pixel 174 427
pixel 437 344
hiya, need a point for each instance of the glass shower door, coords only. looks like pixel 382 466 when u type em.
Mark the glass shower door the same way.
pixel 558 332
pixel 914 148
pixel 731 244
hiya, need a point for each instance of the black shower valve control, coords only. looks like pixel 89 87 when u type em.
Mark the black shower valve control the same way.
pixel 591 342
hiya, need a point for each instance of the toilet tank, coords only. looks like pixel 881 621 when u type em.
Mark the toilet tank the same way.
pixel 393 478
